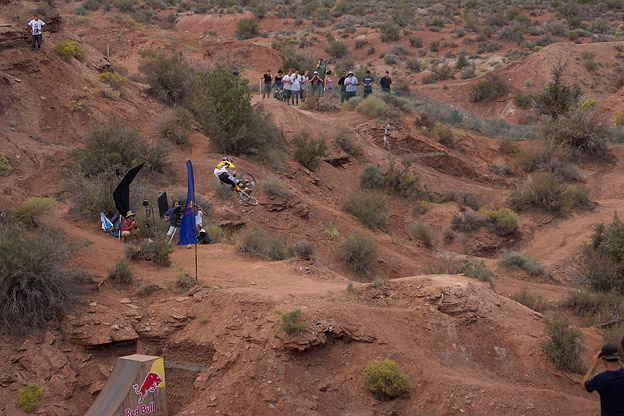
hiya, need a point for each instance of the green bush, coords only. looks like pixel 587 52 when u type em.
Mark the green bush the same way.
pixel 415 42
pixel 183 280
pixel 352 104
pixel 439 73
pixel 305 249
pixel 30 211
pixel 217 233
pixel 384 380
pixel 337 49
pixel 526 298
pixel 563 347
pixel 247 29
pixel 80 11
pixel 603 261
pixel 290 322
pixel 156 251
pixel 114 79
pixel 466 223
pixel 5 165
pixel 309 151
pixel 359 250
pixel 448 236
pixel 273 186
pixel 516 260
pixel 36 285
pixel 121 273
pixel 374 106
pixel 175 127
pixel 371 178
pixel 595 308
pixel 400 180
pixel 258 242
pixel 490 88
pixel 557 98
pixel 350 146
pixel 368 207
pixel 542 190
pixel 29 397
pixel 390 32
pixel 169 76
pixel 222 105
pixel 522 101
pixel 509 146
pixel 502 222
pixel 444 135
pixel 422 232
pixel 477 271
pixel 70 49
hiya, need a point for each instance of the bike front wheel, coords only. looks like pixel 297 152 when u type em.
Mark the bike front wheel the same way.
pixel 249 180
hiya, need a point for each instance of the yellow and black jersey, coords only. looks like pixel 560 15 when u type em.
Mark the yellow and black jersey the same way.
pixel 223 167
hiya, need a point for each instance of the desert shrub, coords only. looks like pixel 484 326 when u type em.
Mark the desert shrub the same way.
pixel 516 260
pixel 399 103
pixel 360 43
pixel 502 222
pixel 273 186
pixel 488 46
pixel 526 298
pixel 30 211
pixel 439 73
pixel 584 131
pixel 156 251
pixel 434 46
pixel 441 265
pixel 121 273
pixel 223 192
pixel 359 250
pixel 422 232
pixel 5 165
pixel 469 199
pixel 543 190
pixel 337 49
pixel 490 88
pixel 415 42
pixel 414 65
pixel 384 380
pixel 29 397
pixel 549 156
pixel 368 207
pixel 169 76
pixel 114 79
pixel 353 103
pixel 91 4
pixel 350 146
pixel 466 223
pixel 563 347
pixel 290 322
pixel 305 249
pixel 557 98
pixel 70 49
pixel 444 135
pixel 462 62
pixel 294 59
pixel 309 151
pixel 509 146
pixel 448 236
pixel 222 105
pixel 477 271
pixel 218 234
pixel 247 29
pixel 175 127
pixel 400 180
pixel 390 32
pixel 183 279
pixel 390 58
pixel 399 84
pixel 595 308
pixel 577 196
pixel 374 106
pixel 80 11
pixel 36 285
pixel 371 178
pixel 258 242
pixel 522 100
pixel 603 261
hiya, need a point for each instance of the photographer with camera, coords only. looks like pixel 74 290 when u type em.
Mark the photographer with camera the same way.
pixel 173 216
pixel 610 384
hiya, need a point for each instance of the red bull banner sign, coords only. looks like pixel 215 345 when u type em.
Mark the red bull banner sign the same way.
pixel 136 387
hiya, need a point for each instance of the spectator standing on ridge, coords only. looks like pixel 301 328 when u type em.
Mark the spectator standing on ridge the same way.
pixel 173 217
pixel 277 83
pixel 385 82
pixel 610 384
pixel 37 28
pixel 305 80
pixel 321 74
pixel 343 92
pixel 328 81
pixel 129 227
pixel 295 85
pixel 268 80
pixel 368 82
pixel 316 83
pixel 350 86
pixel 287 86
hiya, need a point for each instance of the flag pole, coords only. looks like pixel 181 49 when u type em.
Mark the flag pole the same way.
pixel 195 207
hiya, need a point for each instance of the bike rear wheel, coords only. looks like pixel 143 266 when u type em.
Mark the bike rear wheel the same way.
pixel 248 199
pixel 249 181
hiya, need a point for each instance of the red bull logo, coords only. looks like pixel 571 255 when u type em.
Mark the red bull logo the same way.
pixel 150 384
pixel 141 410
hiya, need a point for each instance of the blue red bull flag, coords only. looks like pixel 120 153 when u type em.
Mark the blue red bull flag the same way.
pixel 187 227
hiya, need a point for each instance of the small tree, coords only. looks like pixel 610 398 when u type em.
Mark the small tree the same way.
pixel 247 29
pixel 557 98
pixel 169 77
pixel 390 32
pixel 490 88
pixel 309 151
pixel 384 380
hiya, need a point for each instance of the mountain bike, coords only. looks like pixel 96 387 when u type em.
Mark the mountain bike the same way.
pixel 246 184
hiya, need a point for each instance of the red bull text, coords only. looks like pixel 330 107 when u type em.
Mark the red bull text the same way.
pixel 141 410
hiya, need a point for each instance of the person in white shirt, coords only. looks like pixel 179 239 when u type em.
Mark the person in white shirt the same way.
pixel 295 86
pixel 287 86
pixel 37 27
pixel 305 80
pixel 350 85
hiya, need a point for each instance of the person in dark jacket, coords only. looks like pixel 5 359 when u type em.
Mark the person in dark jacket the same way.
pixel 343 90
pixel 385 82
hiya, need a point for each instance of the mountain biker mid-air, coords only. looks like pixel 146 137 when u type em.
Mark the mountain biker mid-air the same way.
pixel 222 173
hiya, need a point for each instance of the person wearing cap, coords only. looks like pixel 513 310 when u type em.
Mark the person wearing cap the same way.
pixel 350 83
pixel 368 82
pixel 268 80
pixel 316 83
pixel 321 73
pixel 385 82
pixel 173 217
pixel 610 384
pixel 129 227
pixel 343 92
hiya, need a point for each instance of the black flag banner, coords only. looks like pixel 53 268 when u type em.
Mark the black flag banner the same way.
pixel 121 194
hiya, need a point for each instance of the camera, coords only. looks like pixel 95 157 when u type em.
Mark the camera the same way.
pixel 146 203
pixel 178 212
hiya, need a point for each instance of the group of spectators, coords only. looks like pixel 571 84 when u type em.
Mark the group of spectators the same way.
pixel 294 86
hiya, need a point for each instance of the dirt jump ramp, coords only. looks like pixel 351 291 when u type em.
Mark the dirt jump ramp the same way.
pixel 135 387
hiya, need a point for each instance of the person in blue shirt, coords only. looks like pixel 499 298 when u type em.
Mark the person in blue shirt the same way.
pixel 610 384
